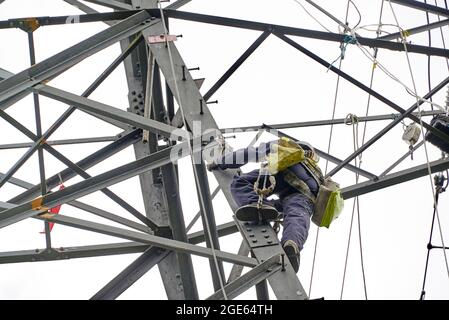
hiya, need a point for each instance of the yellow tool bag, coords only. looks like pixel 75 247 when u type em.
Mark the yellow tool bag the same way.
pixel 329 203
pixel 283 155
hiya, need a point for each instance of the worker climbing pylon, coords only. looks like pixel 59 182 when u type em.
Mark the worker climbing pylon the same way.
pixel 294 176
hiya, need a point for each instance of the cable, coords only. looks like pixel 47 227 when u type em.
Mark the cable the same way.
pixel 384 69
pixel 191 151
pixel 389 74
pixel 327 161
pixel 425 145
pixel 357 9
pixel 356 200
pixel 356 204
pixel 429 245
pixel 316 20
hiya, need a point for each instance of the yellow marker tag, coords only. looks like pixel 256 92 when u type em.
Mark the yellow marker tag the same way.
pixel 36 204
pixel 46 215
pixel 32 23
pixel 405 33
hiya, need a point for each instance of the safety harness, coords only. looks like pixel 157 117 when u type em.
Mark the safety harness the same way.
pixel 328 202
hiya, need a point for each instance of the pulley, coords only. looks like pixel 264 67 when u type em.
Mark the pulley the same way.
pixel 411 134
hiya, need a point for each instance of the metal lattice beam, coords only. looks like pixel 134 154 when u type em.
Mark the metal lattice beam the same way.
pixel 394 178
pixel 423 6
pixel 170 246
pixel 62 61
pixel 159 242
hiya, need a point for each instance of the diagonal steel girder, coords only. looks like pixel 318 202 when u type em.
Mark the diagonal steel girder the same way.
pixel 85 8
pixel 251 278
pixel 314 123
pixel 88 208
pixel 43 137
pixel 156 241
pixel 404 113
pixel 10 101
pixel 325 155
pixel 59 142
pixel 158 186
pixel 286 285
pixel 62 61
pixel 72 166
pixel 112 112
pixel 145 262
pixel 125 139
pixel 177 120
pixel 76 169
pixel 90 185
pixel 416 30
pixel 423 6
pixel 394 178
pixel 63 253
pixel 113 4
pixel 238 23
pixel 292 31
pixel 177 4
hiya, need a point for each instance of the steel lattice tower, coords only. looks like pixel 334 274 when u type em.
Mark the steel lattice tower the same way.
pixel 154 127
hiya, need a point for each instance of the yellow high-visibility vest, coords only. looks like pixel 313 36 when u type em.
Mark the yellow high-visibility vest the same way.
pixel 284 154
pixel 329 202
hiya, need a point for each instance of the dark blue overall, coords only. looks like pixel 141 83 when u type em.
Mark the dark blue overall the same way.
pixel 296 206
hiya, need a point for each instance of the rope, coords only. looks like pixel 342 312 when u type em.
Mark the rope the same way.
pixel 316 20
pixel 439 189
pixel 378 33
pixel 191 150
pixel 352 119
pixel 347 39
pixel 425 144
pixel 265 191
pixel 376 63
pixel 337 86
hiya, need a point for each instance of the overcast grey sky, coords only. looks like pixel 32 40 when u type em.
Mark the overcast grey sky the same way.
pixel 277 84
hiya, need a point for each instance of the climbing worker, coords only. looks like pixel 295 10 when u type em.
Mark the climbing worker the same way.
pixel 290 167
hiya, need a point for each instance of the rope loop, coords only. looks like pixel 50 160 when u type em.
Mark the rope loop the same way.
pixel 351 119
pixel 265 191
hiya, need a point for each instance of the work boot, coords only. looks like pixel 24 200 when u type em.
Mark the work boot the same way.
pixel 292 251
pixel 252 212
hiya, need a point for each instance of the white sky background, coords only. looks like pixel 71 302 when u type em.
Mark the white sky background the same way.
pixel 277 84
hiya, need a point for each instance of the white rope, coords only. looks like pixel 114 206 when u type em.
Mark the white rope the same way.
pixel 425 145
pixel 337 86
pixel 191 149
pixel 355 135
pixel 356 146
pixel 316 20
pixel 376 62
